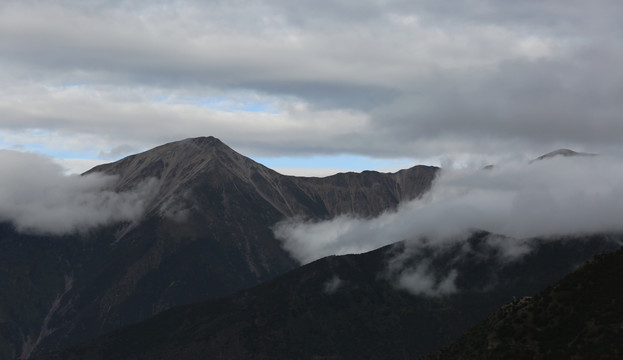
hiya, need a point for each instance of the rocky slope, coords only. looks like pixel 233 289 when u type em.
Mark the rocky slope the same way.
pixel 343 308
pixel 205 233
pixel 206 162
pixel 581 317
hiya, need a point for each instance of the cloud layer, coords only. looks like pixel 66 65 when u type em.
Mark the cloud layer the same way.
pixel 38 198
pixel 516 202
pixel 479 79
pixel 557 196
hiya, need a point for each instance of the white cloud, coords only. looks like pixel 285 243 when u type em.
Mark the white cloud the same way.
pixel 37 197
pixel 420 281
pixel 333 285
pixel 389 78
pixel 558 196
pixel 76 166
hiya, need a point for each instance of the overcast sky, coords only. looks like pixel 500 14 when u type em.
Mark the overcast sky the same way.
pixel 299 83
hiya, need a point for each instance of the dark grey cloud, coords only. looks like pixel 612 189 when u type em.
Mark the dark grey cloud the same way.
pixel 424 78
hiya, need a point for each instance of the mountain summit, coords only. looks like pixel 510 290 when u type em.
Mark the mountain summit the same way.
pixel 206 232
pixel 179 165
pixel 562 152
pixel 203 163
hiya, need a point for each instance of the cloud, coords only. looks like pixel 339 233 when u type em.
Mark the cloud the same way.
pixel 374 78
pixel 468 262
pixel 333 285
pixel 420 281
pixel 514 202
pixel 37 197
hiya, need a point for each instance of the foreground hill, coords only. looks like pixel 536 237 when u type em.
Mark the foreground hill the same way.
pixel 205 233
pixel 581 317
pixel 345 307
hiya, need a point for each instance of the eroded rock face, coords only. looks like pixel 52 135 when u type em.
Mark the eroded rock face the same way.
pixel 184 167
pixel 205 233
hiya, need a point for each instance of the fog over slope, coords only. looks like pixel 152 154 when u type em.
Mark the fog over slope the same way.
pixel 559 196
pixel 37 197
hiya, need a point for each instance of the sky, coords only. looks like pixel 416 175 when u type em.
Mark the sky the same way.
pixel 313 87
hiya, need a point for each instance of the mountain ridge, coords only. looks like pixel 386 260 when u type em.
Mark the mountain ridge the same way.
pixel 579 317
pixel 338 307
pixel 180 164
pixel 564 153
pixel 206 232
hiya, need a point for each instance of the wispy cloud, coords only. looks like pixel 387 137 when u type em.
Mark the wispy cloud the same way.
pixel 37 197
pixel 553 197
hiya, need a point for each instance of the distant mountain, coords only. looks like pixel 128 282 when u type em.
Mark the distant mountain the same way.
pixel 581 317
pixel 206 233
pixel 343 307
pixel 562 152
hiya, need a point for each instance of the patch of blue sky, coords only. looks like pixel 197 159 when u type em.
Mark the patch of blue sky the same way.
pixel 222 103
pixel 43 149
pixel 59 153
pixel 234 104
pixel 252 106
pixel 7 145
pixel 161 99
pixel 74 84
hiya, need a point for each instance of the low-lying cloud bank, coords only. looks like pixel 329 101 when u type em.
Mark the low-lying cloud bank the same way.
pixel 37 197
pixel 553 197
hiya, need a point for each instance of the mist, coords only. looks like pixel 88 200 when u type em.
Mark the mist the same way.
pixel 38 198
pixel 559 196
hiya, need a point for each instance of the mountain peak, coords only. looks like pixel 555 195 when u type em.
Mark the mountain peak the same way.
pixel 190 154
pixel 562 152
pixel 174 165
pixel 190 146
pixel 202 141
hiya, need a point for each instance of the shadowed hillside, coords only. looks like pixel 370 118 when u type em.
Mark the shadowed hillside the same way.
pixel 341 307
pixel 581 317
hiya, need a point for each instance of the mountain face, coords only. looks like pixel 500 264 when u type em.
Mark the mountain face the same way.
pixel 581 317
pixel 341 307
pixel 205 233
pixel 207 163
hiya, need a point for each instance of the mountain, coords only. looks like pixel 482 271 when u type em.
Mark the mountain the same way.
pixel 562 152
pixel 205 233
pixel 207 163
pixel 346 307
pixel 581 317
